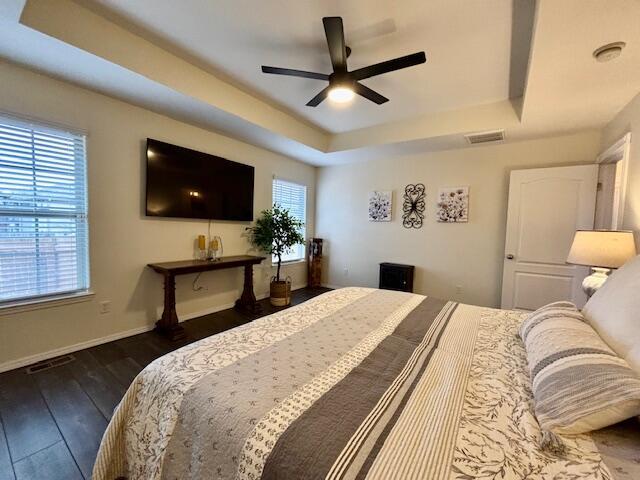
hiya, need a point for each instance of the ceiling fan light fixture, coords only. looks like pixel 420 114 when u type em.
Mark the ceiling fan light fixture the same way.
pixel 344 84
pixel 341 94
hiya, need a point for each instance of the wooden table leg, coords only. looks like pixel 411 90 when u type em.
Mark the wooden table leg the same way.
pixel 168 325
pixel 247 302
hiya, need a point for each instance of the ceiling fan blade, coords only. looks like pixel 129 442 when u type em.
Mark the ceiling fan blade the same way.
pixel 334 31
pixel 315 101
pixel 294 73
pixel 389 66
pixel 369 94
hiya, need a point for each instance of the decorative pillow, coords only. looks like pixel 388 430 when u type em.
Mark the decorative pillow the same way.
pixel 551 311
pixel 579 384
pixel 614 311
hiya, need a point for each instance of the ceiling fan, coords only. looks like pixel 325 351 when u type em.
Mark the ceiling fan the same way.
pixel 343 84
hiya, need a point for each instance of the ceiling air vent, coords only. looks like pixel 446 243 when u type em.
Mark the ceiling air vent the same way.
pixel 485 137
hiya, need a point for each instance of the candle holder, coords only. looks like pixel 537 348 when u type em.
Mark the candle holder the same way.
pixel 215 249
pixel 200 251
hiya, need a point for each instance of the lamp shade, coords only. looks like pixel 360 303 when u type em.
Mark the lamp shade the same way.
pixel 602 248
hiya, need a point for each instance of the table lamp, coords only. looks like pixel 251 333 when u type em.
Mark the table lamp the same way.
pixel 601 250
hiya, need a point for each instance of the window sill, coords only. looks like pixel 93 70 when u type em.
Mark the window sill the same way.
pixel 289 262
pixel 20 306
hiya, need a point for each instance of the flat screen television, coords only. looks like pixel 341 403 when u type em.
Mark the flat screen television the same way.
pixel 189 184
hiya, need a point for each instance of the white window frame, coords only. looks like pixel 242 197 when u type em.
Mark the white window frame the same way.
pixel 62 296
pixel 300 251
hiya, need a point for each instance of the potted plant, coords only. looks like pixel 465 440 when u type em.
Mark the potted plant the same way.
pixel 275 233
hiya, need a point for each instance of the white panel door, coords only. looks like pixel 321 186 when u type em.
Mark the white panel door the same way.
pixel 546 207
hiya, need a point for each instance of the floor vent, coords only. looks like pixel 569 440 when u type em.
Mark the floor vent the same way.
pixel 485 137
pixel 47 364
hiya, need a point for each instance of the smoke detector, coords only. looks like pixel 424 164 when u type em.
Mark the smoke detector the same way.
pixel 485 137
pixel 608 52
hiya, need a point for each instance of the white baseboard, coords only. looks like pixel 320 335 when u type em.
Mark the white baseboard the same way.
pixel 218 308
pixel 56 352
pixel 207 311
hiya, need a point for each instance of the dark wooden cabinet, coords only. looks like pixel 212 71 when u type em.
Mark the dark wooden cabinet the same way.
pixel 395 276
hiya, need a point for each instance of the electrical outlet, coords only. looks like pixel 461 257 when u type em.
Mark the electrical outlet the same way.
pixel 458 289
pixel 105 306
pixel 346 272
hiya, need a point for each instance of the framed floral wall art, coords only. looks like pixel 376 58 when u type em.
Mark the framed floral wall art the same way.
pixel 453 205
pixel 380 206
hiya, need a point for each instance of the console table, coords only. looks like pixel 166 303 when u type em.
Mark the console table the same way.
pixel 168 325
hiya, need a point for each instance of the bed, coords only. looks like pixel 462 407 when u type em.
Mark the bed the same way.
pixel 356 383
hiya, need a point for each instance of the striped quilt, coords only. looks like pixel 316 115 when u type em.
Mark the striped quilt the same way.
pixel 354 384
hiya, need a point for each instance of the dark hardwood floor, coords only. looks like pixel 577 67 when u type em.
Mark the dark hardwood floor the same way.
pixel 51 422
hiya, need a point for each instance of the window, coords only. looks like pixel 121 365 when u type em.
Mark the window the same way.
pixel 43 211
pixel 293 197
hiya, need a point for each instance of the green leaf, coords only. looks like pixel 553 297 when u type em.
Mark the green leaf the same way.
pixel 275 232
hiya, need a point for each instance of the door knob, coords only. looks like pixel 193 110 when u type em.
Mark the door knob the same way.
pixel 510 256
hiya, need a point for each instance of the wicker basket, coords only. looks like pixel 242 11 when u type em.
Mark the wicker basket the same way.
pixel 280 292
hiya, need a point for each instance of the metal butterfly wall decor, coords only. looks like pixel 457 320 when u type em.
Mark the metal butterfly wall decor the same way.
pixel 413 206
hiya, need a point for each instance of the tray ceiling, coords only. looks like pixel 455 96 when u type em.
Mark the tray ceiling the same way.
pixel 491 64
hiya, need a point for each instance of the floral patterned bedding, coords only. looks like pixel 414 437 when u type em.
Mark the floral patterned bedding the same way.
pixel 355 384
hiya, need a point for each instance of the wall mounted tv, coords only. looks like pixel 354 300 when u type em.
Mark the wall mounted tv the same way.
pixel 190 184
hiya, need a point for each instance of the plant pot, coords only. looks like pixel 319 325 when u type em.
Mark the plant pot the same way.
pixel 280 293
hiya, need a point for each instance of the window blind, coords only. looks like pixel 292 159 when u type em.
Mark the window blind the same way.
pixel 293 197
pixel 43 211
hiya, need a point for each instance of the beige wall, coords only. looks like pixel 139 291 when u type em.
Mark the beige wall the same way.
pixel 628 120
pixel 122 239
pixel 445 255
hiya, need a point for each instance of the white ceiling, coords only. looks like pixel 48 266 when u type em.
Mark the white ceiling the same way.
pixel 467 62
pixel 564 78
pixel 199 61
